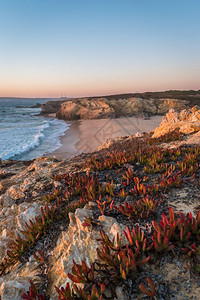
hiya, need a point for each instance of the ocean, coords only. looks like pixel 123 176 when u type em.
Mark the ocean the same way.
pixel 24 135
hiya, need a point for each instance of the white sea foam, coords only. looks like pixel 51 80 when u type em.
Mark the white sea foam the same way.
pixel 25 135
pixel 24 148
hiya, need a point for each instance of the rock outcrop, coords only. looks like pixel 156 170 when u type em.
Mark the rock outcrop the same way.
pixel 187 121
pixel 100 108
pixel 148 103
pixel 85 109
pixel 30 182
pixel 78 243
pixel 51 107
pixel 37 105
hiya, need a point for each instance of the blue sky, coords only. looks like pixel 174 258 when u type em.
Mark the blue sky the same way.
pixel 50 48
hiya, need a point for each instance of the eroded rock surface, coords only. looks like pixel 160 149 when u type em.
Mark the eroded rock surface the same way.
pixel 96 108
pixel 22 195
pixel 51 107
pixel 187 121
pixel 78 243
pixel 84 109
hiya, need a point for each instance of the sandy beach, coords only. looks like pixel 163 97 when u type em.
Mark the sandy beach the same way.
pixel 87 135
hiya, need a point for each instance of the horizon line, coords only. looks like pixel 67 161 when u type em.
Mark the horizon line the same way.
pixel 101 95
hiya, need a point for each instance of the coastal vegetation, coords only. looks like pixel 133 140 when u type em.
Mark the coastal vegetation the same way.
pixel 133 184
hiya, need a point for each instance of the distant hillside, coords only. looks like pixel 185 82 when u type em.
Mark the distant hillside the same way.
pixel 114 106
pixel 192 96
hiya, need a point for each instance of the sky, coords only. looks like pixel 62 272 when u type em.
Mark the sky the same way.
pixel 54 48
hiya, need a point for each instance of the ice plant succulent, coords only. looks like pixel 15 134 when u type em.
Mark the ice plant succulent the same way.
pixel 33 293
pixel 140 208
pixel 136 237
pixel 148 292
pixel 161 244
pixel 77 293
pixel 82 273
pixel 123 194
pixel 123 260
pixel 192 250
pixel 39 256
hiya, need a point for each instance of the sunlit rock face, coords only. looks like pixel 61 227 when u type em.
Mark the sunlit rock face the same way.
pixel 85 109
pixel 187 121
pixel 78 243
pixel 21 196
pixel 99 108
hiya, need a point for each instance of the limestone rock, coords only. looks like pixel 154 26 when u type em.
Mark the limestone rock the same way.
pixel 14 284
pixel 164 105
pixel 78 243
pixel 1 187
pixel 120 294
pixel 84 109
pixel 27 214
pixel 95 108
pixel 5 201
pixel 187 121
pixel 109 142
pixel 12 220
pixel 15 192
pixel 13 290
pixel 29 182
pixel 51 106
pixel 3 173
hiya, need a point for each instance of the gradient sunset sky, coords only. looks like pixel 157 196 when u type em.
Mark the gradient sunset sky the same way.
pixel 53 48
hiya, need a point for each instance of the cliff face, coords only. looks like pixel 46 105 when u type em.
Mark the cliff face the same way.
pixel 131 104
pixel 51 107
pixel 85 109
pixel 187 121
pixel 97 108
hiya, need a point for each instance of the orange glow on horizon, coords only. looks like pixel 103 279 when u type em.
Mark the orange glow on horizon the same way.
pixel 85 92
pixel 76 85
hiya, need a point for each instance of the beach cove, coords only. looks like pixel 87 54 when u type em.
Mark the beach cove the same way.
pixel 66 206
pixel 85 136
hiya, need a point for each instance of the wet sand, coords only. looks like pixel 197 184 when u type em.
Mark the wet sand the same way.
pixel 87 135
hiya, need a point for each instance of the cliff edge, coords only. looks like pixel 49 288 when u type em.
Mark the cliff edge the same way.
pixel 51 107
pixel 100 108
pixel 187 121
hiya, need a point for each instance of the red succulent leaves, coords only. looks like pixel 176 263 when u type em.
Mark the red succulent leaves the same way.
pixel 33 293
pixel 77 293
pixel 82 273
pixel 148 292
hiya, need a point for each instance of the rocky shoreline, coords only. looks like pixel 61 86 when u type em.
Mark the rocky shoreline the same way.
pixel 128 105
pixel 74 214
pixel 103 108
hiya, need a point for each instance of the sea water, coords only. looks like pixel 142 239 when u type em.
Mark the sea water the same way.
pixel 24 134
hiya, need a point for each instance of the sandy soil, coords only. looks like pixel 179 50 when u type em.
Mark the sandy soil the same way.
pixel 87 135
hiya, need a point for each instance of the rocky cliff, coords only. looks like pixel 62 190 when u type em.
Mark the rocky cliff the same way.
pixel 148 103
pixel 96 108
pixel 187 121
pixel 51 106
pixel 85 109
